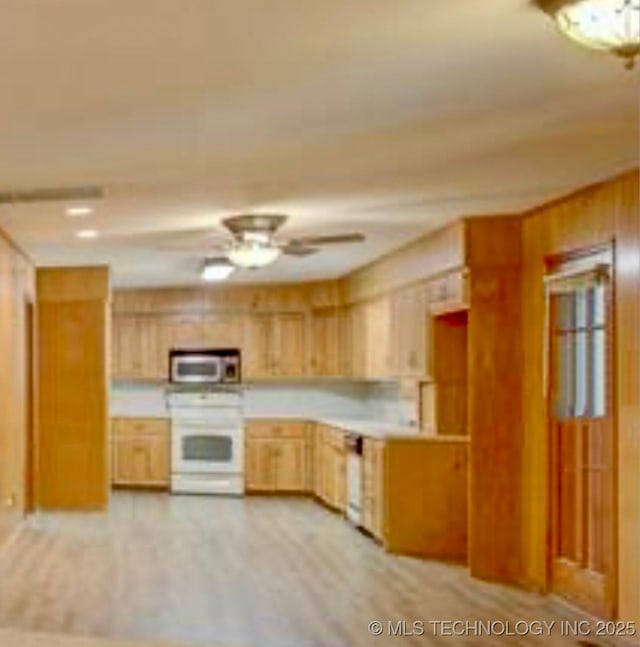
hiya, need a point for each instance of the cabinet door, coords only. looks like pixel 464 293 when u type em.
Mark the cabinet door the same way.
pixel 291 465
pixel 186 331
pixel 125 344
pixel 223 331
pixel 289 346
pixel 324 342
pixel 410 331
pixel 140 461
pixel 357 331
pixel 259 465
pixel 125 467
pixel 140 452
pixel 340 479
pixel 372 486
pixel 449 293
pixel 378 338
pixel 345 343
pixel 256 346
pixel 152 348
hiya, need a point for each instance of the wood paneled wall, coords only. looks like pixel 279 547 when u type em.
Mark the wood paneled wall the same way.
pixel 73 326
pixel 16 300
pixel 597 215
pixel 494 258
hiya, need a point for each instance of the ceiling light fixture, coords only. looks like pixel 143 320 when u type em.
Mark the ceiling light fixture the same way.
pixel 87 233
pixel 606 25
pixel 217 269
pixel 253 254
pixel 79 211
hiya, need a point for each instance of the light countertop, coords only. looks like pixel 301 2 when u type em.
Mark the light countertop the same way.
pixel 363 426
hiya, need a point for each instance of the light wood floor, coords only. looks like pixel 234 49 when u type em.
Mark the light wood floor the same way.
pixel 256 571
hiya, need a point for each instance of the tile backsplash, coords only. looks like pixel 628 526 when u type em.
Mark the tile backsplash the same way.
pixel 323 398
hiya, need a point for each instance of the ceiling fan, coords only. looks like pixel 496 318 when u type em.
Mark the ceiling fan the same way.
pixel 254 243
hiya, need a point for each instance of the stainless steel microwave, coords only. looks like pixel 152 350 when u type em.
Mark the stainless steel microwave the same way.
pixel 205 366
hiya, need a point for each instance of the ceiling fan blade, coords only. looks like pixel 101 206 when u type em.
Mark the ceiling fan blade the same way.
pixel 299 250
pixel 335 239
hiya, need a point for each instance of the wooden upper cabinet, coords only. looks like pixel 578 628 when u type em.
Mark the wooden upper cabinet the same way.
pixel 411 330
pixel 289 345
pixel 356 325
pixel 223 330
pixel 139 347
pixel 378 328
pixel 125 350
pixel 325 328
pixel 448 293
pixel 187 330
pixel 256 346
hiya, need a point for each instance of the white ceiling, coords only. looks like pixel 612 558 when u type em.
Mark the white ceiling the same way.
pixel 389 117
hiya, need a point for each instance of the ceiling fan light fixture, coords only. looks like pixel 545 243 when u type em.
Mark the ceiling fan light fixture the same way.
pixel 251 254
pixel 217 269
pixel 606 25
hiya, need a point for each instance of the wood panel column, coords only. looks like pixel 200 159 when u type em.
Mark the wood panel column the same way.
pixel 73 326
pixel 494 259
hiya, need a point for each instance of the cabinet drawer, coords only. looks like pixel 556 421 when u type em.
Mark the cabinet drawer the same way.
pixel 275 429
pixel 124 427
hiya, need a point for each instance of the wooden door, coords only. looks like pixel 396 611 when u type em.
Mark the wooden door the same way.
pixel 581 441
pixel 289 345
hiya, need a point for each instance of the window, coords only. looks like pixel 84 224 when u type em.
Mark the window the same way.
pixel 578 330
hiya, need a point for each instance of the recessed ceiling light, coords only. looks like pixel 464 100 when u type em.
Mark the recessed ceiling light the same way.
pixel 79 211
pixel 87 233
pixel 217 269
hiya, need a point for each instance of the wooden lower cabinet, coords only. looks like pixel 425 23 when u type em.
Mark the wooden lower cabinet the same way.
pixel 425 493
pixel 373 486
pixel 277 457
pixel 330 463
pixel 140 452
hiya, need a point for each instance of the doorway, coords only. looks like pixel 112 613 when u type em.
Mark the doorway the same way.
pixel 581 434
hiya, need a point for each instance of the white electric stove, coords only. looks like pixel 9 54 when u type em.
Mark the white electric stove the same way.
pixel 207 446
